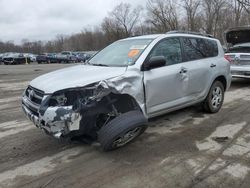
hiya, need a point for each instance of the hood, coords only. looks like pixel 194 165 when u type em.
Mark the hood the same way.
pixel 238 35
pixel 73 77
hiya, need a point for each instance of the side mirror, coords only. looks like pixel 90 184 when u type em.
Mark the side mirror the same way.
pixel 154 62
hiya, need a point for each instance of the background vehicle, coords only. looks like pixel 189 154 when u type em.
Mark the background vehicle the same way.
pixel 125 84
pixel 238 54
pixel 30 57
pixel 67 57
pixel 47 58
pixel 14 59
pixel 80 56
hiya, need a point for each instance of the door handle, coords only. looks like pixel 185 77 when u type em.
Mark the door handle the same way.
pixel 183 70
pixel 212 65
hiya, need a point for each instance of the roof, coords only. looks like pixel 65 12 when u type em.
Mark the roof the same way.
pixel 190 33
pixel 144 37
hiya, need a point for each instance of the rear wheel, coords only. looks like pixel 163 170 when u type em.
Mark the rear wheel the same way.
pixel 215 98
pixel 122 130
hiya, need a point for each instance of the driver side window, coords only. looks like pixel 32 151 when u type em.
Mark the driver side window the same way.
pixel 169 48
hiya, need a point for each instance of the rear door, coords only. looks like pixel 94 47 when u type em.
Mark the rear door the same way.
pixel 200 59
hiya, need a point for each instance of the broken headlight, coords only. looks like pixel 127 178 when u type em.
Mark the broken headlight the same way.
pixel 58 100
pixel 68 98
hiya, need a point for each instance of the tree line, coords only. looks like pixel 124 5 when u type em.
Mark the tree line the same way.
pixel 157 16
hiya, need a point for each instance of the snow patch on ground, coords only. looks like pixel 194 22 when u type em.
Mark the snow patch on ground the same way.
pixel 13 127
pixel 237 170
pixel 39 167
pixel 223 131
pixel 10 99
pixel 219 163
pixel 231 96
pixel 13 86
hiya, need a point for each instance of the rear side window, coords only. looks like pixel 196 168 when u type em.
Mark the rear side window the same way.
pixel 199 48
pixel 169 48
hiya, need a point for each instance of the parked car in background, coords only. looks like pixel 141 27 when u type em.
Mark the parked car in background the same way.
pixel 41 58
pixel 111 98
pixel 30 57
pixel 84 56
pixel 67 57
pixel 238 53
pixel 33 57
pixel 47 58
pixel 14 59
pixel 90 54
pixel 81 56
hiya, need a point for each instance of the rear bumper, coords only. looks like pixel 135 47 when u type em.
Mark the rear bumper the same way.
pixel 240 71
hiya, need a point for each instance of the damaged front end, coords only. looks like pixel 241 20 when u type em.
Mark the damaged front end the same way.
pixel 76 112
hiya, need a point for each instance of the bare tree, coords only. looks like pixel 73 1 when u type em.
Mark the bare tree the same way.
pixel 127 17
pixel 162 15
pixel 122 20
pixel 191 8
pixel 237 10
pixel 212 14
pixel 112 30
pixel 245 4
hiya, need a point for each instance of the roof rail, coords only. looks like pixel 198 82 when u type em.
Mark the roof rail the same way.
pixel 190 32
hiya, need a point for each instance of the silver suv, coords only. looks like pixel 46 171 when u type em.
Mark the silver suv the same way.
pixel 239 51
pixel 112 97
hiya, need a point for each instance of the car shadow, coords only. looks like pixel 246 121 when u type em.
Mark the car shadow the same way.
pixel 238 83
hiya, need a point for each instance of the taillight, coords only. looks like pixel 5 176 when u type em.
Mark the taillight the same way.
pixel 228 58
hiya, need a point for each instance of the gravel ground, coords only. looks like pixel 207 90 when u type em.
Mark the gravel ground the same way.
pixel 178 150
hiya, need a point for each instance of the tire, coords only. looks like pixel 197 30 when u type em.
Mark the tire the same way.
pixel 110 136
pixel 215 98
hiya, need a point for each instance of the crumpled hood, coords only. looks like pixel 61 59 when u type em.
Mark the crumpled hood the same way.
pixel 238 35
pixel 73 77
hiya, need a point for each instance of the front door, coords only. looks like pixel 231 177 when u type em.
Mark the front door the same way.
pixel 165 87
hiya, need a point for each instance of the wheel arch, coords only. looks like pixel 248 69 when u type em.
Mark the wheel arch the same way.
pixel 223 80
pixel 124 102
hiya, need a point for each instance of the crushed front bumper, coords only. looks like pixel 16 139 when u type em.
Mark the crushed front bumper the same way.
pixel 31 116
pixel 54 123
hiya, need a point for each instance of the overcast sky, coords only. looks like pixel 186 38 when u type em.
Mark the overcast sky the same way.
pixel 44 19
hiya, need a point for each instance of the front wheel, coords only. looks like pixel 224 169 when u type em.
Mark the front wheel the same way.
pixel 215 98
pixel 122 130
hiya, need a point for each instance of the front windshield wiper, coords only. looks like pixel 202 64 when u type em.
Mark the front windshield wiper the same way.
pixel 100 65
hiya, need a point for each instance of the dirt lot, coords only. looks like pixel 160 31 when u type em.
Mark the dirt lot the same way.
pixel 178 150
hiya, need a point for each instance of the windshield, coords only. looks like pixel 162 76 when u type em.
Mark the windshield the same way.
pixel 121 53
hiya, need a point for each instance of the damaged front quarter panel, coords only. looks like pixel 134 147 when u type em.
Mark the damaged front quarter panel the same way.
pixel 83 113
pixel 130 83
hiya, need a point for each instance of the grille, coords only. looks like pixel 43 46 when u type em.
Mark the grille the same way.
pixel 33 99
